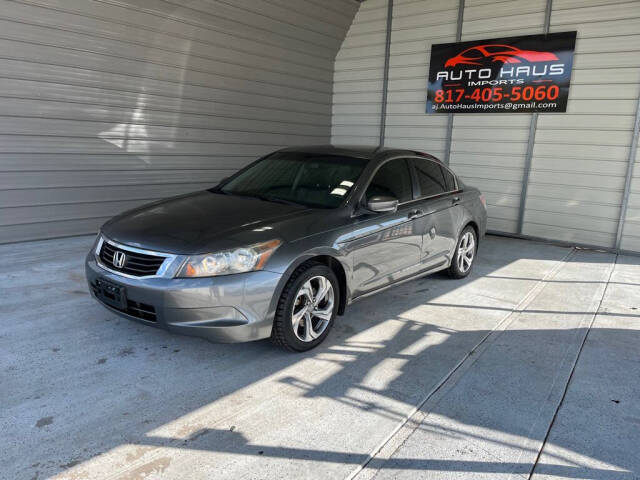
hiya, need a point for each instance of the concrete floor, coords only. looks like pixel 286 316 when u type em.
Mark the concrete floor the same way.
pixel 528 368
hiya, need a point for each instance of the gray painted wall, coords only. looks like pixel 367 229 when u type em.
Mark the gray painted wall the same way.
pixel 106 105
pixel 580 159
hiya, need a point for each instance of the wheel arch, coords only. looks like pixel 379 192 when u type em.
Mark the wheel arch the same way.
pixel 337 268
pixel 473 224
pixel 329 259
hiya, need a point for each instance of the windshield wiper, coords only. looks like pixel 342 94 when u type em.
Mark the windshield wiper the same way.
pixel 279 200
pixel 267 198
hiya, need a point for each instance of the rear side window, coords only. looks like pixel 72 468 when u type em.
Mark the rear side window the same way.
pixel 449 180
pixel 392 179
pixel 430 176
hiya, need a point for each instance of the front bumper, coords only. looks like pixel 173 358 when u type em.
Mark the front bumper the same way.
pixel 230 308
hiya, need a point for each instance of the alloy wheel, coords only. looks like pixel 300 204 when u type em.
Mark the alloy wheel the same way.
pixel 466 251
pixel 312 308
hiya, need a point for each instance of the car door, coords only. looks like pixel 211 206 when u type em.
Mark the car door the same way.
pixel 386 247
pixel 435 204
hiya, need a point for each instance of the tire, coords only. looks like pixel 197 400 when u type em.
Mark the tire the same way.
pixel 464 254
pixel 299 307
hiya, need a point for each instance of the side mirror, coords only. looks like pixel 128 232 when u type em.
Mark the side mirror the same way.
pixel 382 203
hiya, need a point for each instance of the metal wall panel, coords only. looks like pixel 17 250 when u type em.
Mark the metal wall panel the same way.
pixel 489 151
pixel 495 167
pixel 358 76
pixel 106 105
pixel 580 158
pixel 357 109
pixel 416 26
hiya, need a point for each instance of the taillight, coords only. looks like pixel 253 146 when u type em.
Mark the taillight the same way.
pixel 483 200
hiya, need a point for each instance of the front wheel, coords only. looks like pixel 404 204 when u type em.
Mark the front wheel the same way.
pixel 465 253
pixel 307 308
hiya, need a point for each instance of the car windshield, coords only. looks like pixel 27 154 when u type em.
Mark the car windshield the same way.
pixel 307 179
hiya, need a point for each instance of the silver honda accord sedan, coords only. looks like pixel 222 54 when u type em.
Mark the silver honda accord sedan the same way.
pixel 284 245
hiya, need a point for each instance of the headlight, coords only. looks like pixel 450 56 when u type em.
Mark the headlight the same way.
pixel 238 260
pixel 97 244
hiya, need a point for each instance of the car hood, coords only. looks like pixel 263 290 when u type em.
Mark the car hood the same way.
pixel 206 221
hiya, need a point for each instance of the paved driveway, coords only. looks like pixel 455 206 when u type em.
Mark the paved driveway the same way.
pixel 528 367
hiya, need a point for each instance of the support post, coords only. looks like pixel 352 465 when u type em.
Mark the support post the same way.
pixel 627 181
pixel 532 139
pixel 385 75
pixel 449 134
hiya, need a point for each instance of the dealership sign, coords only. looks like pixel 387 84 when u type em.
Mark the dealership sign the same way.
pixel 502 75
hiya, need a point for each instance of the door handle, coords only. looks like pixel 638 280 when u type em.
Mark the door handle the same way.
pixel 415 214
pixel 455 200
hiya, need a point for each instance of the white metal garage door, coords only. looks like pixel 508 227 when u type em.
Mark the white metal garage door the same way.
pixel 108 104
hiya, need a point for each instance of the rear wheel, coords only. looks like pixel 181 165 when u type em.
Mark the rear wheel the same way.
pixel 464 254
pixel 307 308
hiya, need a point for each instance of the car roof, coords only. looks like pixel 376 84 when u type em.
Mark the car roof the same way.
pixel 358 151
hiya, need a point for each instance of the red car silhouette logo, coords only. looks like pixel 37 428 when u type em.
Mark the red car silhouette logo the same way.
pixel 483 54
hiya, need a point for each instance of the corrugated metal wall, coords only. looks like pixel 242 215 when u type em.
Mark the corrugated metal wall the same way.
pixel 416 25
pixel 580 159
pixel 358 75
pixel 489 151
pixel 109 104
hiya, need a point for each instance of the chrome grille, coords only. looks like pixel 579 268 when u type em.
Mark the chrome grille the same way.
pixel 136 264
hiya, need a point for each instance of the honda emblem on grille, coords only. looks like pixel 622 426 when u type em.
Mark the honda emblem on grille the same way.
pixel 119 259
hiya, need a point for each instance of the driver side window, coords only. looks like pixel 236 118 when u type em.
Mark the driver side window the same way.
pixel 392 179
